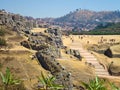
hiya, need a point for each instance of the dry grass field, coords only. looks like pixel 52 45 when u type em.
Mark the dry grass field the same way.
pixel 94 39
pixel 19 60
pixel 90 40
pixel 36 30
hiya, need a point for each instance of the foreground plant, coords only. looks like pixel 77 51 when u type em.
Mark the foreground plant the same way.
pixel 113 86
pixel 8 79
pixel 96 84
pixel 48 83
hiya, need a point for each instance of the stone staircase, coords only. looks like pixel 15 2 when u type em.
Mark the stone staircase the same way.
pixel 90 58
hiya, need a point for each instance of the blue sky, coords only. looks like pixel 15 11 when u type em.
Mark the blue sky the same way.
pixel 55 8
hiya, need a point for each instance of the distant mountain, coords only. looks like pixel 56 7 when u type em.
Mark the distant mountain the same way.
pixel 86 19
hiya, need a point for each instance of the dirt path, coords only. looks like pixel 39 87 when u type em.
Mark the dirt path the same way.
pixel 90 58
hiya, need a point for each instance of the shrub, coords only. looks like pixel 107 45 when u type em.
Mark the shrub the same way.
pixel 96 84
pixel 48 83
pixel 8 81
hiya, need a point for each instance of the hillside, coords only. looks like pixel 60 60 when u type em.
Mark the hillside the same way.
pixel 109 28
pixel 82 20
pixel 102 29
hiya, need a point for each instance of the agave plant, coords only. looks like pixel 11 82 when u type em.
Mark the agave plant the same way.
pixel 8 79
pixel 48 83
pixel 96 84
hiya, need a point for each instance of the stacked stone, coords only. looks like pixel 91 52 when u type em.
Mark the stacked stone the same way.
pixel 48 61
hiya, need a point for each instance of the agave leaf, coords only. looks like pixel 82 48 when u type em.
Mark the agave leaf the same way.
pixel 49 83
pixel 43 77
pixel 97 80
pixel 41 80
pixel 85 84
pixel 3 78
pixel 52 79
pixel 16 82
pixel 7 76
pixel 56 86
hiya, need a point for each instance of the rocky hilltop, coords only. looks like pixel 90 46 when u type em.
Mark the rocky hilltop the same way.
pixel 16 21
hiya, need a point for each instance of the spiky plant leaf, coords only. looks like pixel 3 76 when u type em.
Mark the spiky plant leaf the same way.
pixel 2 76
pixel 49 82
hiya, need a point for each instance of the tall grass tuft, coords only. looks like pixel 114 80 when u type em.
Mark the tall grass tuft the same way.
pixel 48 83
pixel 8 80
pixel 96 84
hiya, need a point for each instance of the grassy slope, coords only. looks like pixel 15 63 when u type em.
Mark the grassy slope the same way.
pixel 18 59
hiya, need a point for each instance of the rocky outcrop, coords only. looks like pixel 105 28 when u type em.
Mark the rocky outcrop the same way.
pixel 108 53
pixel 112 70
pixel 55 37
pixel 48 47
pixel 47 60
pixel 16 21
pixel 113 51
pixel 75 53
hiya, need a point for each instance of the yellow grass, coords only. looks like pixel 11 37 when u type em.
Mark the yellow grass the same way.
pixel 21 65
pixel 93 39
pixel 30 69
pixel 116 49
pixel 79 71
pixel 36 30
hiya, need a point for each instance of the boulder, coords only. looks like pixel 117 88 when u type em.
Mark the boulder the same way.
pixel 74 53
pixel 56 35
pixel 108 53
pixel 113 51
pixel 48 61
pixel 114 70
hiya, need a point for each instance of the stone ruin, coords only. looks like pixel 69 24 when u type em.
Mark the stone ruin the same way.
pixel 47 60
pixel 48 49
pixel 47 46
pixel 75 53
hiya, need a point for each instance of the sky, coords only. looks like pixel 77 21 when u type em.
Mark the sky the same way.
pixel 56 8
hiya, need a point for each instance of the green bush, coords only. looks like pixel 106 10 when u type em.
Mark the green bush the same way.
pixel 95 84
pixel 48 83
pixel 8 81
